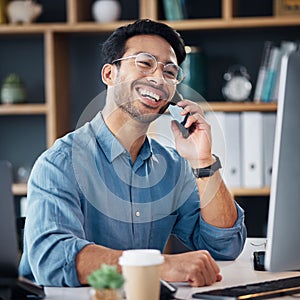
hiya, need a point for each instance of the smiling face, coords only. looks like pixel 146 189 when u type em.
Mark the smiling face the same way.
pixel 141 96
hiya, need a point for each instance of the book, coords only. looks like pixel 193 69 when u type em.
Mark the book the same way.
pixel 252 149
pixel 269 126
pixel 286 47
pixel 216 122
pixel 271 74
pixel 226 134
pixel 185 10
pixel 173 10
pixel 262 70
pixel 23 206
pixel 232 135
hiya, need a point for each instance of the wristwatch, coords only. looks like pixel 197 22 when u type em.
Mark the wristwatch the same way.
pixel 208 171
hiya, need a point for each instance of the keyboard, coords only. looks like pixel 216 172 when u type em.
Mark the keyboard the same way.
pixel 261 290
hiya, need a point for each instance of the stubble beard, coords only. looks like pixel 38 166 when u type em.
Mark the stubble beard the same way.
pixel 134 107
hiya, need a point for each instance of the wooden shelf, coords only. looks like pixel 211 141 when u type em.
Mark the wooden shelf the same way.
pixel 22 29
pixel 239 106
pixel 23 109
pixel 264 191
pixel 183 25
pixel 19 189
pixel 234 23
pixel 42 28
pixel 90 27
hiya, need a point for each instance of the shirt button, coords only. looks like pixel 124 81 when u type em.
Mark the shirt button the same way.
pixel 137 213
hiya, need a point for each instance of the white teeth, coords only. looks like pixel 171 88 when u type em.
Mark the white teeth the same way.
pixel 146 93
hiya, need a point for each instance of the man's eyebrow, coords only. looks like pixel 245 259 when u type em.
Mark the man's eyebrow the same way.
pixel 139 52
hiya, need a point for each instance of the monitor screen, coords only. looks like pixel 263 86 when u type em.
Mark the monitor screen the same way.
pixel 283 233
pixel 8 234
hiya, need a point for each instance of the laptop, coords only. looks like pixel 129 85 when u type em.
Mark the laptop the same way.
pixel 12 286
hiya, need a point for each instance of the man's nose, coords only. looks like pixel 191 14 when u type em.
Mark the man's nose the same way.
pixel 157 76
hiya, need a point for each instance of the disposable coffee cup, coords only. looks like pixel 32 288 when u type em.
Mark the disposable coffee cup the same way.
pixel 141 270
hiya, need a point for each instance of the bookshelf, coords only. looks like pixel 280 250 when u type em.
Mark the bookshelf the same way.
pixel 54 103
pixel 239 192
pixel 239 106
pixel 23 109
pixel 19 189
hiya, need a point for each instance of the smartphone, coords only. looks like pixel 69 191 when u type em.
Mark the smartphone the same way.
pixel 175 111
pixel 167 290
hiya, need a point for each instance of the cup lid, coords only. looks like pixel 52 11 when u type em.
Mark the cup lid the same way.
pixel 141 257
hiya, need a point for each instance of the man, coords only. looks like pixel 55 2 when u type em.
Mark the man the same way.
pixel 107 187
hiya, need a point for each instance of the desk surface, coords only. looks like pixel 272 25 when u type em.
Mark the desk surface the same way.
pixel 238 272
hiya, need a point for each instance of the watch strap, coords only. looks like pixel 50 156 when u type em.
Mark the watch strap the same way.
pixel 208 171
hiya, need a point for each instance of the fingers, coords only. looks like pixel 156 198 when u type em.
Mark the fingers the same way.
pixel 176 131
pixel 196 267
pixel 219 277
pixel 205 271
pixel 196 114
pixel 190 107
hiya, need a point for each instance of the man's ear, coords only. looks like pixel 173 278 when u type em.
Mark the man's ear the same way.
pixel 108 74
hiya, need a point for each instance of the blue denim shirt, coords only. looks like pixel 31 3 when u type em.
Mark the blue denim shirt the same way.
pixel 85 189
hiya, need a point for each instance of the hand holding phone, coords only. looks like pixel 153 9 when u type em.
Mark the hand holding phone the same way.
pixel 175 111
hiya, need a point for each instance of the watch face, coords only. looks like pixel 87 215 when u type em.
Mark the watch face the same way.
pixel 238 88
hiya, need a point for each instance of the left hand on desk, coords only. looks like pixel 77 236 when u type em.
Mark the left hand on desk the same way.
pixel 196 267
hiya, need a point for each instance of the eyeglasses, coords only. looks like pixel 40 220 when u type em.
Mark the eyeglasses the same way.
pixel 147 64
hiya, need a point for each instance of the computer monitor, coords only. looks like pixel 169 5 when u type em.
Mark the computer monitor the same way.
pixel 8 233
pixel 283 238
pixel 12 286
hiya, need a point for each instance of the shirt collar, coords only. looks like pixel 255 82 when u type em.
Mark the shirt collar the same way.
pixel 111 147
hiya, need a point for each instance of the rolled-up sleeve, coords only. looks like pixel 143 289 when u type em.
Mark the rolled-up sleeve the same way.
pixel 54 231
pixel 224 243
pixel 196 234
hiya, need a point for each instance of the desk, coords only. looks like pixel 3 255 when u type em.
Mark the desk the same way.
pixel 238 272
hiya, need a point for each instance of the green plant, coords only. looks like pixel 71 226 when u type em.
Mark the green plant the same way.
pixel 107 277
pixel 13 79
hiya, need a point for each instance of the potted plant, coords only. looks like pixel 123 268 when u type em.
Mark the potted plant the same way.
pixel 106 283
pixel 13 90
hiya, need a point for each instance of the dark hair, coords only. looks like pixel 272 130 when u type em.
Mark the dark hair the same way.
pixel 114 47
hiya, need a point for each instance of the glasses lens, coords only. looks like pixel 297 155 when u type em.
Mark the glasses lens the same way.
pixel 145 63
pixel 173 73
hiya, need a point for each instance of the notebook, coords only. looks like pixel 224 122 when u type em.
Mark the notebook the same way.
pixel 12 286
